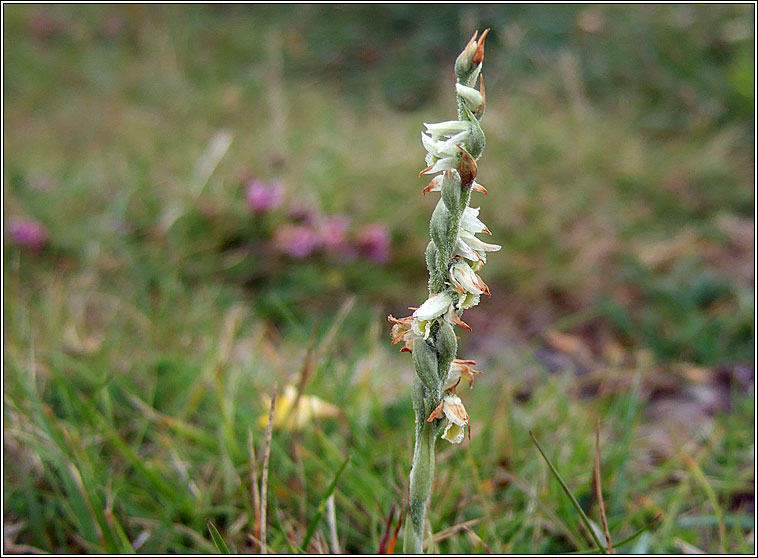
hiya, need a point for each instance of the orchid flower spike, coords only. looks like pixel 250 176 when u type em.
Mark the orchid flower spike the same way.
pixel 454 258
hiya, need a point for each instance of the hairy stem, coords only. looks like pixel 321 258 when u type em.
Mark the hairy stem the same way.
pixel 422 475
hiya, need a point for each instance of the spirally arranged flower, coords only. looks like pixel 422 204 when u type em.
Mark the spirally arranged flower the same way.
pixel 452 148
pixel 454 257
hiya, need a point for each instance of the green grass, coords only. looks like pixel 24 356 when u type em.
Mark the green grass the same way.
pixel 141 344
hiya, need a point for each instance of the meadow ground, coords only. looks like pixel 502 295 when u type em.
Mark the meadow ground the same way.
pixel 146 324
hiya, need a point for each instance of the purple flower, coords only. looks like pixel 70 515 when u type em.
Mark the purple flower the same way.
pixel 263 198
pixel 27 233
pixel 374 243
pixel 297 241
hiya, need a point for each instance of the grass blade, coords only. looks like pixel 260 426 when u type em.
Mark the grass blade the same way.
pixel 627 540
pixel 264 473
pixel 599 488
pixel 638 533
pixel 217 538
pixel 567 490
pixel 697 472
pixel 322 504
pixel 331 518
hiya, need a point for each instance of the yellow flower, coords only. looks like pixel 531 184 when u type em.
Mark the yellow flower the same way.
pixel 294 416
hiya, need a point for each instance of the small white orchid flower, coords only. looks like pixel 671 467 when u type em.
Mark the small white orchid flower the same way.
pixel 467 300
pixel 468 244
pixel 434 307
pixel 447 128
pixel 457 418
pixel 470 221
pixel 466 281
pixel 471 96
pixel 441 149
pixel 446 163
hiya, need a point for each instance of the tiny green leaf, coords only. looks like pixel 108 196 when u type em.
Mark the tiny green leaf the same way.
pixel 217 538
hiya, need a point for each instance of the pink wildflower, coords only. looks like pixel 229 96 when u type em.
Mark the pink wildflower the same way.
pixel 297 241
pixel 27 233
pixel 263 197
pixel 374 243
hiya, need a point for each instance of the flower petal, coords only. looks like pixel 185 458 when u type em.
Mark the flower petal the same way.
pixel 477 244
pixel 464 277
pixel 471 223
pixel 435 185
pixel 433 307
pixel 448 163
pixel 447 128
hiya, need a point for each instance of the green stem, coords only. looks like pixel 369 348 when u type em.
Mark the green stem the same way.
pixel 422 474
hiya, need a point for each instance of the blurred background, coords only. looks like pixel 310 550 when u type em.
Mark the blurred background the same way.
pixel 200 201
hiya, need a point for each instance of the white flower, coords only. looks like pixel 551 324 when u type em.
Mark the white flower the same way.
pixel 434 307
pixel 457 418
pixel 442 142
pixel 471 96
pixel 468 300
pixel 466 281
pixel 471 223
pixel 472 248
pixel 444 147
pixel 447 128
pixel 447 163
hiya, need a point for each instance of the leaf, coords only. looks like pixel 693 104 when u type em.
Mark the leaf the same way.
pixel 217 538
pixel 567 490
pixel 322 504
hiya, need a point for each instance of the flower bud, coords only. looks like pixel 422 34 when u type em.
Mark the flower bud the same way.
pixel 465 60
pixel 479 54
pixel 469 62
